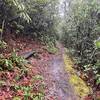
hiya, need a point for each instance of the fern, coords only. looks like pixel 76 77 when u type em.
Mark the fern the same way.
pixel 15 8
pixel 21 10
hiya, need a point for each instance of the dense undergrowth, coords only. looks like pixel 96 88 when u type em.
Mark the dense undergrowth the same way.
pixel 82 37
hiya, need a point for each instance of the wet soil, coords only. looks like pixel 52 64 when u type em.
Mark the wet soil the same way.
pixel 60 85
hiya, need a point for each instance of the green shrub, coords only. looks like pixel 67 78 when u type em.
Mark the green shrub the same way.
pixel 29 16
pixel 13 61
pixel 17 60
pixel 3 44
pixel 50 42
pixel 28 92
pixel 5 64
pixel 81 29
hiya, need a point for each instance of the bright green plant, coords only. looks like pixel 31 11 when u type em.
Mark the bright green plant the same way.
pixel 5 64
pixel 50 42
pixel 16 98
pixel 18 60
pixel 13 61
pixel 96 67
pixel 3 44
pixel 37 77
pixel 97 44
pixel 28 94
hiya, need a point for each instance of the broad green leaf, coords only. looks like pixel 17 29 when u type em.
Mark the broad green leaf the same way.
pixel 97 44
pixel 1 30
pixel 16 98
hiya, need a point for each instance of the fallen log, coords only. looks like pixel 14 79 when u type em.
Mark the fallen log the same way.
pixel 28 54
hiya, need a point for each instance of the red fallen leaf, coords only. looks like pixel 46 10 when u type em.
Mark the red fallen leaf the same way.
pixel 51 98
pixel 5 95
pixel 9 76
pixel 35 71
pixel 44 55
pixel 98 95
pixel 2 98
pixel 88 98
pixel 20 93
pixel 26 82
pixel 8 95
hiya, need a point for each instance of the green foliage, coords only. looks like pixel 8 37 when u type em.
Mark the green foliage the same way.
pixel 52 49
pixel 16 98
pixel 17 60
pixel 97 44
pixel 27 91
pixel 50 42
pixel 12 9
pixel 95 71
pixel 79 32
pixel 5 64
pixel 81 29
pixel 22 10
pixel 10 62
pixel 3 44
pixel 96 68
pixel 37 77
pixel 34 16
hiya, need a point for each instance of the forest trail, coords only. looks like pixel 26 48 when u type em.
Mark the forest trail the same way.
pixel 57 80
pixel 60 86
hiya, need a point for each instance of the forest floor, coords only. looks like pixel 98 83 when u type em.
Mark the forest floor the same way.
pixel 46 75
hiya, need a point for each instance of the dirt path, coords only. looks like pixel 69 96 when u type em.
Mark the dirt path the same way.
pixel 57 80
pixel 60 86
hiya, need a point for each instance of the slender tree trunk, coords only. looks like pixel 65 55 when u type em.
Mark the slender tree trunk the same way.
pixel 3 24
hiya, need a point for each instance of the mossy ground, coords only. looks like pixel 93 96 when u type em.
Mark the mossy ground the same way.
pixel 80 87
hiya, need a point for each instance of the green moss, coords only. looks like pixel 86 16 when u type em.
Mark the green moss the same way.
pixel 80 87
pixel 16 98
pixel 52 50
